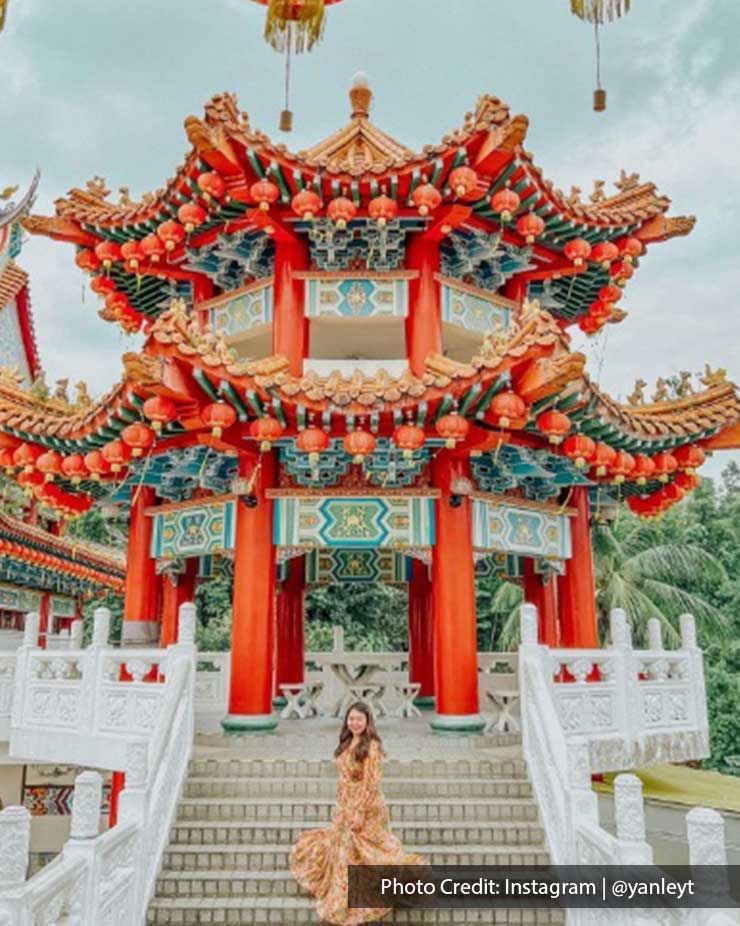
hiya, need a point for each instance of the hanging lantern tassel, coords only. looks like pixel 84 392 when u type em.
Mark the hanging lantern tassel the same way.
pixel 295 24
pixel 599 92
pixel 599 12
pixel 286 116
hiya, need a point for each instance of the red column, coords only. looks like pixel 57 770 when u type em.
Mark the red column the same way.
pixel 421 633
pixel 117 784
pixel 173 595
pixel 453 592
pixel 44 618
pixel 290 627
pixel 252 634
pixel 140 624
pixel 576 592
pixel 423 325
pixel 290 326
pixel 541 594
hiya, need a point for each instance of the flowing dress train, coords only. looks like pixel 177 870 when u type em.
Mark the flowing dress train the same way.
pixel 320 858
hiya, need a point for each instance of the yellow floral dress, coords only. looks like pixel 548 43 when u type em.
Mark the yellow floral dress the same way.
pixel 320 858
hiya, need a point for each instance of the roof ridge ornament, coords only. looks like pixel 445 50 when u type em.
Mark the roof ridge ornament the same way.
pixel 360 96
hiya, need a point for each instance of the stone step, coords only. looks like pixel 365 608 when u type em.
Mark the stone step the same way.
pixel 205 832
pixel 292 911
pixel 318 810
pixel 500 767
pixel 292 787
pixel 269 857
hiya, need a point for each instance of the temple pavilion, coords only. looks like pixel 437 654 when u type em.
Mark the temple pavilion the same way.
pixel 356 366
pixel 40 570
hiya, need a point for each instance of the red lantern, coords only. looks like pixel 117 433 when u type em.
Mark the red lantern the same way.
pixel 644 469
pixel 152 248
pixel 107 253
pixel 26 456
pixel 50 464
pixel 687 481
pixel 264 193
pixel 218 416
pixel 138 437
pixel 96 464
pixel 117 454
pixel 507 407
pixel 103 286
pixel 117 303
pixel 610 293
pixel 463 182
pixel 87 261
pixel 580 449
pixel 74 468
pixel 621 466
pixel 211 185
pixel 665 465
pixel 603 457
pixel 505 202
pixel 577 250
pixel 672 493
pixel 341 211
pixel 383 209
pixel 133 255
pixel 588 324
pixel 452 428
pixel 191 215
pixel 426 198
pixel 306 204
pixel 29 479
pixel 6 460
pixel 604 253
pixel 171 234
pixel 554 424
pixel 266 431
pixel 312 441
pixel 359 444
pixel 530 226
pixel 621 272
pixel 599 310
pixel 409 438
pixel 689 458
pixel 630 248
pixel 160 411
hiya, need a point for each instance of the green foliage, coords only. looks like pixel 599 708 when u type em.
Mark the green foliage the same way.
pixel 722 663
pixel 95 527
pixel 374 617
pixel 114 603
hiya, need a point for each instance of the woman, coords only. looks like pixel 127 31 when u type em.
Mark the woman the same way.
pixel 360 831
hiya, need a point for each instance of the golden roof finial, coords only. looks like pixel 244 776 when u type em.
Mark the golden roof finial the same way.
pixel 360 96
pixel 713 377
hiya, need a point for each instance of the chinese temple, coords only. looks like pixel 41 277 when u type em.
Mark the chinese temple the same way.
pixel 40 570
pixel 357 366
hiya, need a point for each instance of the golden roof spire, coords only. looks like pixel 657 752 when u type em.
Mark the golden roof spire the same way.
pixel 360 96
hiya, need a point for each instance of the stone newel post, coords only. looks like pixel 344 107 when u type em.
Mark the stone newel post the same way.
pixel 86 806
pixel 15 840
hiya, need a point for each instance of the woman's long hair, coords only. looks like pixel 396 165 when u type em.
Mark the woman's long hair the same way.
pixel 366 738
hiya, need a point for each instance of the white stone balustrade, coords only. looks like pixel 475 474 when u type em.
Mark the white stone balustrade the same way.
pixel 108 878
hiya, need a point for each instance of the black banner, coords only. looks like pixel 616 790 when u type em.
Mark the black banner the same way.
pixel 471 886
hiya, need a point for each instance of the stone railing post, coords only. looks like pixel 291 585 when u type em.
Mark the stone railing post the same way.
pixel 625 676
pixel 338 637
pixel 101 627
pixel 31 630
pixel 629 814
pixel 91 667
pixel 15 841
pixel 75 635
pixel 132 807
pixel 705 830
pixel 583 801
pixel 655 634
pixel 696 669
pixel 83 841
pixel 23 656
pixel 86 803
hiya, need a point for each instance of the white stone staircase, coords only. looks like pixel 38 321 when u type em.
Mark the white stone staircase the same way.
pixel 227 861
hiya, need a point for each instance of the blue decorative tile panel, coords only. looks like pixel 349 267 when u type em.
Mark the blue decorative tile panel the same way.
pixel 62 606
pixel 513 529
pixel 356 297
pixel 13 598
pixel 474 313
pixel 243 312
pixel 194 531
pixel 331 566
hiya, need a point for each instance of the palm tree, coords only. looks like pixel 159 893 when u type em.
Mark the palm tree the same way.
pixel 633 571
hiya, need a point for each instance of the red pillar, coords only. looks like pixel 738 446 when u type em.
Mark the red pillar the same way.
pixel 541 594
pixel 290 326
pixel 44 618
pixel 421 633
pixel 117 784
pixel 173 595
pixel 140 624
pixel 252 634
pixel 290 626
pixel 576 592
pixel 453 592
pixel 424 324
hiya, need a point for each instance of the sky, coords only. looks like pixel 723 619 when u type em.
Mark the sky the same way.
pixel 93 88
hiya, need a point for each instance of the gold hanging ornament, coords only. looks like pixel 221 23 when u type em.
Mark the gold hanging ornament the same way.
pixel 599 12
